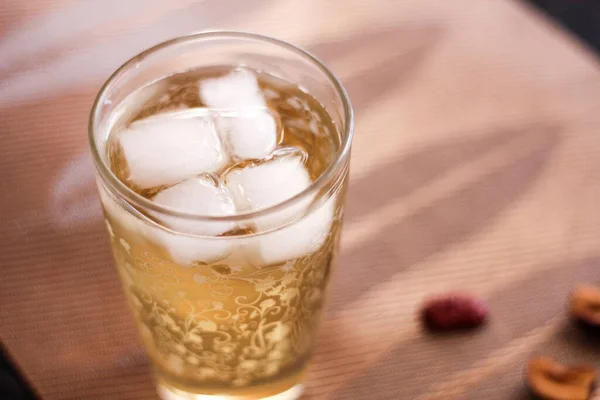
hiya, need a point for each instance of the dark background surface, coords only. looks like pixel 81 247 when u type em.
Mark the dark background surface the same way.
pixel 580 17
pixel 12 385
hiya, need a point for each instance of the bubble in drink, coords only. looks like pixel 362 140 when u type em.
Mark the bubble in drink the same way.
pixel 225 307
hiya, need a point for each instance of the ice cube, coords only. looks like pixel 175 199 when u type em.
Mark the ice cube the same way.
pixel 165 150
pixel 237 89
pixel 244 121
pixel 263 185
pixel 189 251
pixel 300 239
pixel 260 186
pixel 250 135
pixel 199 196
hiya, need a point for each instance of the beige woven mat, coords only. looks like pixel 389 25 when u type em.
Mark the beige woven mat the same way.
pixel 475 167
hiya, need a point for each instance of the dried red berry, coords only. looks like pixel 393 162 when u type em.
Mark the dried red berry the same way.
pixel 454 311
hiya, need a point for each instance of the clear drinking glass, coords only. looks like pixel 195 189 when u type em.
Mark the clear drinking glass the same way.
pixel 235 327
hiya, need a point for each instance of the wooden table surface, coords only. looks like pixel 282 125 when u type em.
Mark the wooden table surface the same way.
pixel 474 168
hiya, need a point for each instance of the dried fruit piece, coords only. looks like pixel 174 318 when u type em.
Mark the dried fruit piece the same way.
pixel 584 305
pixel 551 380
pixel 454 311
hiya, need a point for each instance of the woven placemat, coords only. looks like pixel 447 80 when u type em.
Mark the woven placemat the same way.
pixel 474 168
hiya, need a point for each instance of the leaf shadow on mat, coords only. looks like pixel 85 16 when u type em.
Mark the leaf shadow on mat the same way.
pixel 408 50
pixel 432 364
pixel 448 221
pixel 395 180
pixel 48 38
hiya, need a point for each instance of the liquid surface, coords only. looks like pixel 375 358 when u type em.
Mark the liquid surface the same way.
pixel 238 325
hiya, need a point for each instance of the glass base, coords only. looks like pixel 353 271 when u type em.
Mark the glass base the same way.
pixel 165 393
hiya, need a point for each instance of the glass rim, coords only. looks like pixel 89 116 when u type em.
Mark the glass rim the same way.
pixel 136 200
